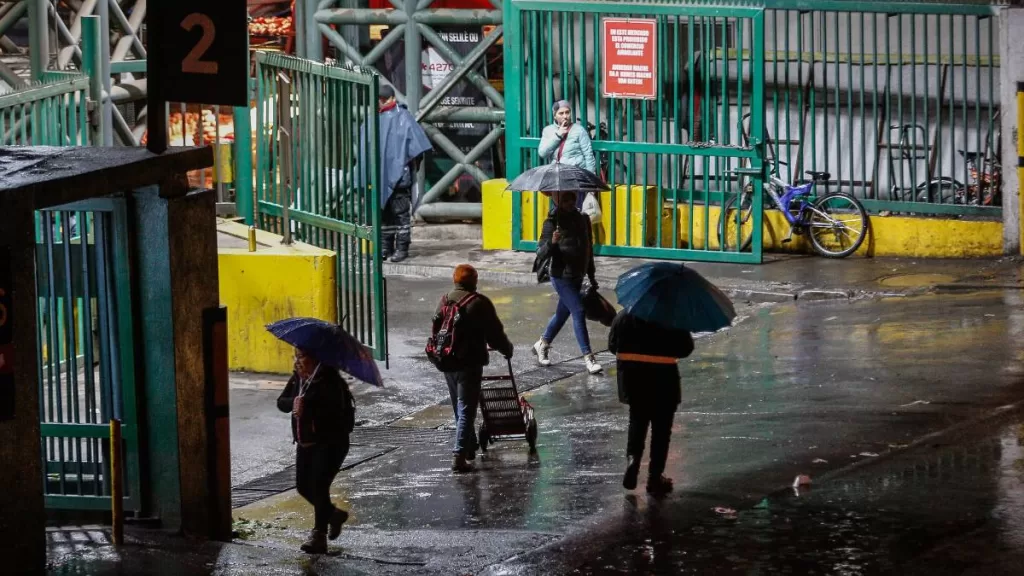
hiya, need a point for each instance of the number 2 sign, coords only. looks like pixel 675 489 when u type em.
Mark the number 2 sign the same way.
pixel 199 51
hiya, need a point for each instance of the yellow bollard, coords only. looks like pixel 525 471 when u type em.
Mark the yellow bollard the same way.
pixel 252 238
pixel 116 483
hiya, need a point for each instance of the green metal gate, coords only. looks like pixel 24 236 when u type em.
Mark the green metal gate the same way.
pixel 85 342
pixel 671 160
pixel 317 182
pixel 86 359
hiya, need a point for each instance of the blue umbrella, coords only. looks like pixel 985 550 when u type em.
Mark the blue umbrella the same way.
pixel 330 345
pixel 674 296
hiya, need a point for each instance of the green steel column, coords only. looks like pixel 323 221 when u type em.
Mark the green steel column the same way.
pixel 314 41
pixel 39 40
pixel 92 66
pixel 244 200
pixel 413 51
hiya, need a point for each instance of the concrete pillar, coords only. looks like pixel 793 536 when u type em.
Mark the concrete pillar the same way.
pixel 178 281
pixel 1011 71
pixel 23 520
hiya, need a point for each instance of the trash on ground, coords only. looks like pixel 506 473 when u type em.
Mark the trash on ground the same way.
pixel 868 454
pixel 926 402
pixel 802 480
pixel 819 461
pixel 725 512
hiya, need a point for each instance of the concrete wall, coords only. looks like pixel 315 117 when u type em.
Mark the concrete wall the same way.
pixel 273 283
pixel 890 235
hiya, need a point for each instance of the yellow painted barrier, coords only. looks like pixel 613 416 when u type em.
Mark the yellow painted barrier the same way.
pixel 919 237
pixel 632 202
pixel 1020 163
pixel 273 283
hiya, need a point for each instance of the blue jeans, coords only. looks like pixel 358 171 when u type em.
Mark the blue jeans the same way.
pixel 570 303
pixel 464 389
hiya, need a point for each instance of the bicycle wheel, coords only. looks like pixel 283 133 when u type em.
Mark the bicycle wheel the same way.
pixel 728 235
pixel 837 225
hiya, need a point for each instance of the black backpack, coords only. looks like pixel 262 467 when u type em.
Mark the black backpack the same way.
pixel 442 345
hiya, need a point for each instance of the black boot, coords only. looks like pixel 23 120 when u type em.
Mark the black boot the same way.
pixel 399 256
pixel 316 543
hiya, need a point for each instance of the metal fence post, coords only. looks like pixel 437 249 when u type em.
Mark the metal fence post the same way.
pixel 244 202
pixel 284 116
pixel 93 67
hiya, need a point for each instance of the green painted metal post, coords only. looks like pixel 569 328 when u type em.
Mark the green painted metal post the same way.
pixel 92 66
pixel 39 41
pixel 244 199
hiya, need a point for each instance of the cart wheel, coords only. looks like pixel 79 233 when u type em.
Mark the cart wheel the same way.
pixel 531 435
pixel 483 438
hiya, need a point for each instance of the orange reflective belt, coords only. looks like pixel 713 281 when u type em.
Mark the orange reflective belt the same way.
pixel 645 358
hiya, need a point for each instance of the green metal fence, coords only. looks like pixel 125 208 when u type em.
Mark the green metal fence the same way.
pixel 899 102
pixel 86 363
pixel 670 159
pixel 53 113
pixel 317 175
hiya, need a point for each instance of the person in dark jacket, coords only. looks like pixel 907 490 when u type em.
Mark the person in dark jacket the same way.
pixel 567 239
pixel 648 380
pixel 478 328
pixel 323 414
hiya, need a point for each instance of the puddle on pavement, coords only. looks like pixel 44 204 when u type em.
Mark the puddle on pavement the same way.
pixel 932 512
pixel 915 280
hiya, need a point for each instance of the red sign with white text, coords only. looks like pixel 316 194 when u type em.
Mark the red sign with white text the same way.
pixel 630 48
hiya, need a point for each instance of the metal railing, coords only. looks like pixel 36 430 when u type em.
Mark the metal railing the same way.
pixel 51 113
pixel 898 102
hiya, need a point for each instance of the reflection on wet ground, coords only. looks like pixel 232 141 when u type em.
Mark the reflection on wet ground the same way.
pixel 835 391
pixel 939 509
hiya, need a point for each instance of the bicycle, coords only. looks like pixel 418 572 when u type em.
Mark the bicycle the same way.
pixel 835 214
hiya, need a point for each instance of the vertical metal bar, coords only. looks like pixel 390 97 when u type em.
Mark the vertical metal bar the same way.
pixel 952 98
pixel 413 49
pixel 57 409
pixel 849 100
pixel 924 104
pixel 982 150
pixel 88 342
pixel 71 362
pixel 106 104
pixel 39 42
pixel 992 146
pixel 757 127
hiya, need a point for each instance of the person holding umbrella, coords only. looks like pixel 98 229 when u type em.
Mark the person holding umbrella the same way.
pixel 322 414
pixel 566 245
pixel 566 239
pixel 662 303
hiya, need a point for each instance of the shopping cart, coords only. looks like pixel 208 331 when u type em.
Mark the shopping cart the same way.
pixel 506 415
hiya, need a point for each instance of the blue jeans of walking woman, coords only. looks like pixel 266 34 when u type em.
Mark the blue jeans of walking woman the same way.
pixel 464 389
pixel 570 303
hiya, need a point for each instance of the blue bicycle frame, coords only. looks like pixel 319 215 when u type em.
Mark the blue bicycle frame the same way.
pixel 801 193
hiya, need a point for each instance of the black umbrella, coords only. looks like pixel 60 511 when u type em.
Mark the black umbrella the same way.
pixel 557 177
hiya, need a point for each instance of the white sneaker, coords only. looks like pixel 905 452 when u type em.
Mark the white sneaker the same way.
pixel 592 366
pixel 540 350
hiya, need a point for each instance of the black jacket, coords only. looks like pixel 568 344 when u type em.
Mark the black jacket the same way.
pixel 327 408
pixel 573 256
pixel 640 381
pixel 478 329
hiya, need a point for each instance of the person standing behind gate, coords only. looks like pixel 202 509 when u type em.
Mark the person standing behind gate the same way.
pixel 471 325
pixel 567 142
pixel 648 380
pixel 566 240
pixel 402 146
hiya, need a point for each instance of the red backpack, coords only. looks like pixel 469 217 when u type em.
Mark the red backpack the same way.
pixel 442 348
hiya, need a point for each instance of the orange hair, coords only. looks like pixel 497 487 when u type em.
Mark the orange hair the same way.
pixel 465 275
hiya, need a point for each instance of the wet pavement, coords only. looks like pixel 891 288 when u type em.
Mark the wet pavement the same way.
pixel 895 407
